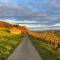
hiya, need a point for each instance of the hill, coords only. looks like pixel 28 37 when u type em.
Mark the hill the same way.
pixel 5 24
pixel 22 28
pixel 12 28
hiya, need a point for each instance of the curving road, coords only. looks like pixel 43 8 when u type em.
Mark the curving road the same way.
pixel 25 51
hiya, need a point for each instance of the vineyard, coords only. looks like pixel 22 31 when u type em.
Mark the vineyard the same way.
pixel 47 43
pixel 50 37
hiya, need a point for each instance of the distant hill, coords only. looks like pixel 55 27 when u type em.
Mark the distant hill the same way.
pixel 5 24
pixel 22 28
pixel 13 27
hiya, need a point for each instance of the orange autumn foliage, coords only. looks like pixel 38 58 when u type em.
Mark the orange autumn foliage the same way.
pixel 18 29
pixel 49 37
pixel 15 30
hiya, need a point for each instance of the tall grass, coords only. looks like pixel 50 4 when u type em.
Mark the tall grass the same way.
pixel 8 42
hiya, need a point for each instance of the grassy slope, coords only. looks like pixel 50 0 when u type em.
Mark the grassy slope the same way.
pixel 46 52
pixel 5 24
pixel 8 42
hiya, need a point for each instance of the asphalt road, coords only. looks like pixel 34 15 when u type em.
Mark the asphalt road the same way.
pixel 25 51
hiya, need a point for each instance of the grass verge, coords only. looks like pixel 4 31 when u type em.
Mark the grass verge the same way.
pixel 8 42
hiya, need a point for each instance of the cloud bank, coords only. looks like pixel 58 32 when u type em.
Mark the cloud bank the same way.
pixel 31 13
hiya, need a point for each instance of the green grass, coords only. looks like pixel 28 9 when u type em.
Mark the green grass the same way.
pixel 45 50
pixel 8 42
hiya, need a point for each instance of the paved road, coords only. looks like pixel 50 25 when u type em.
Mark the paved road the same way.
pixel 25 51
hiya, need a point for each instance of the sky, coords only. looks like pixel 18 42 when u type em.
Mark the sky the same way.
pixel 40 13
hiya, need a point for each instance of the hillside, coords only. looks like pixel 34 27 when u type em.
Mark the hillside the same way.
pixel 5 24
pixel 22 28
pixel 12 28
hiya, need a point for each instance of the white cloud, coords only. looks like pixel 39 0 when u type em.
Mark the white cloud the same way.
pixel 9 20
pixel 57 24
pixel 27 21
pixel 33 25
pixel 44 28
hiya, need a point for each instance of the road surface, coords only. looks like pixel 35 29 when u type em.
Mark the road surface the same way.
pixel 25 51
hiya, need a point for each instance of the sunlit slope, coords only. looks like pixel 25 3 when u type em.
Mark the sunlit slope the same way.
pixel 8 40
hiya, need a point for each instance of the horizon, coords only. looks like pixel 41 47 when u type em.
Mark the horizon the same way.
pixel 36 28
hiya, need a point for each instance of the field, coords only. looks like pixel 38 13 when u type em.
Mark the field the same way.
pixel 47 44
pixel 8 42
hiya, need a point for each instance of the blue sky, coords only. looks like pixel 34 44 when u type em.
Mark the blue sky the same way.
pixel 10 1
pixel 43 12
